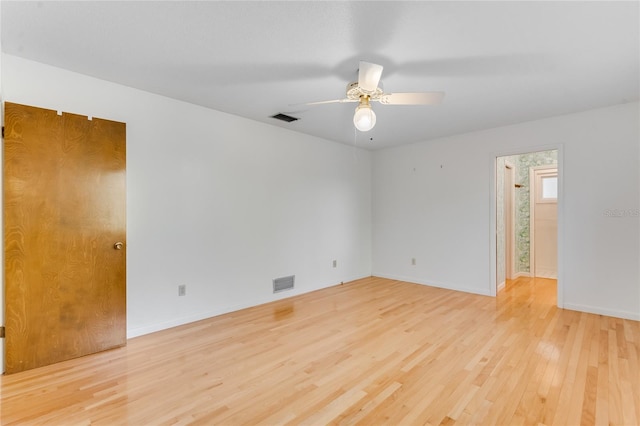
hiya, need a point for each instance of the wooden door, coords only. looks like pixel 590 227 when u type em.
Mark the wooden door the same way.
pixel 64 211
pixel 545 222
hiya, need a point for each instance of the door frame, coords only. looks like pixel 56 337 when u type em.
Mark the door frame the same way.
pixel 509 235
pixel 508 209
pixel 533 192
pixel 492 169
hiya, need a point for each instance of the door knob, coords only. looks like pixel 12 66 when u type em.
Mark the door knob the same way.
pixel 118 245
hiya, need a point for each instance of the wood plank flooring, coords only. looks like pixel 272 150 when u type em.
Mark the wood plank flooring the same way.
pixel 373 351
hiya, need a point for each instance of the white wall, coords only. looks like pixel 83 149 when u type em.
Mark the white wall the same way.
pixel 432 201
pixel 217 202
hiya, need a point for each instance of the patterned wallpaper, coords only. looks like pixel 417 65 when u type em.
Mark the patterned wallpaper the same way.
pixel 522 163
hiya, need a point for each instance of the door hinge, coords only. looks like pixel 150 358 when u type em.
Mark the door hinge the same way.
pixel 2 132
pixel 2 332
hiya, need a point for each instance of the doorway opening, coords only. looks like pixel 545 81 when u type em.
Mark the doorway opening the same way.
pixel 526 219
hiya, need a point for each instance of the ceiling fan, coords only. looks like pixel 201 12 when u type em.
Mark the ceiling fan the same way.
pixel 368 89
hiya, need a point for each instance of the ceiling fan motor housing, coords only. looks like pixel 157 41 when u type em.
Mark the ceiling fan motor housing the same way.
pixel 354 92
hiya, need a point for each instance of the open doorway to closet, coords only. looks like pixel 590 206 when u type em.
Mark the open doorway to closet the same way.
pixel 527 225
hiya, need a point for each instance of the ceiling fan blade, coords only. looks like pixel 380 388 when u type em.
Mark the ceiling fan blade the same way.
pixel 333 101
pixel 369 76
pixel 424 98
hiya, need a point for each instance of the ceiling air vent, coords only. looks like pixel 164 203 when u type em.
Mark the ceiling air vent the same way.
pixel 284 117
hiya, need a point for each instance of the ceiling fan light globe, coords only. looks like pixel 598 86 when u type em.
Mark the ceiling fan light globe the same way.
pixel 364 118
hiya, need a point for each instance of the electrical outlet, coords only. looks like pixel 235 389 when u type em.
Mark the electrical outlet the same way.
pixel 413 261
pixel 335 263
pixel 182 290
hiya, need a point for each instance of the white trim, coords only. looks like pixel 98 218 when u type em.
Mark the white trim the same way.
pixel 521 274
pixel 635 316
pixel 532 212
pixel 493 224
pixel 511 256
pixel 502 285
pixel 433 283
pixel 546 273
pixel 560 167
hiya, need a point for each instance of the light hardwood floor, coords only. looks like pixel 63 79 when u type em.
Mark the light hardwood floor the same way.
pixel 373 351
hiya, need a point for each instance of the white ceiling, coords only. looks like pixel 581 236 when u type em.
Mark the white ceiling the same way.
pixel 498 62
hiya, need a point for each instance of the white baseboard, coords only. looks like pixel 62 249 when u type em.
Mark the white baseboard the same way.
pixel 433 283
pixel 501 285
pixel 521 274
pixel 603 311
pixel 546 273
pixel 159 326
pixel 175 322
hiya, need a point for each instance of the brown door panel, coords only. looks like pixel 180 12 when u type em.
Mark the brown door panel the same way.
pixel 64 209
